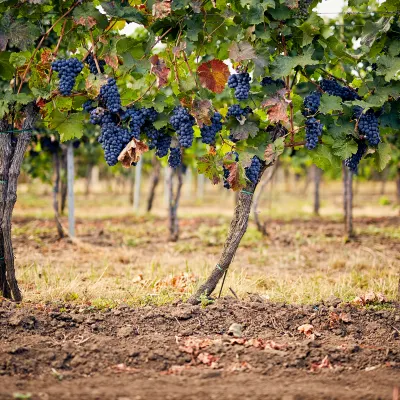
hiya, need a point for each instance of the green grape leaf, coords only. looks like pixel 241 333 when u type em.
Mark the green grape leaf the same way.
pixel 344 148
pixel 382 156
pixel 388 66
pixel 283 65
pixel 210 166
pixel 242 131
pixel 124 11
pixel 330 103
pixel 324 159
pixel 68 125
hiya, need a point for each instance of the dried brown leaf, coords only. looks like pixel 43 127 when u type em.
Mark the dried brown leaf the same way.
pixel 213 75
pixel 234 176
pixel 292 4
pixel 132 152
pixel 241 51
pixel 278 105
pixel 119 368
pixel 159 68
pixel 112 60
pixel 162 9
pixel 325 363
pixel 307 329
pixel 88 22
pixel 208 359
pixel 201 112
pixel 196 5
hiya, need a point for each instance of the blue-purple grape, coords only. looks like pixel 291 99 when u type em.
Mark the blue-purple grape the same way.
pixel 183 123
pixel 68 70
pixel 333 88
pixel 163 144
pixel 241 83
pixel 175 157
pixel 311 104
pixel 208 132
pixel 110 96
pixel 368 125
pixel 353 161
pixel 92 64
pixel 253 171
pixel 313 132
pixel 268 81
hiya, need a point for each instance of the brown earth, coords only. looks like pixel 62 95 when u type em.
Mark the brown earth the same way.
pixel 186 352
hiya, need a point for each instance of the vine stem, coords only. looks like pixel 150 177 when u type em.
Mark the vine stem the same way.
pixel 190 69
pixel 94 52
pixel 144 94
pixel 41 42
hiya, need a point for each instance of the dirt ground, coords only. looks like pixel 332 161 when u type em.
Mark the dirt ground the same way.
pixel 191 352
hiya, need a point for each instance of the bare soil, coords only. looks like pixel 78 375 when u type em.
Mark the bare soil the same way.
pixel 178 351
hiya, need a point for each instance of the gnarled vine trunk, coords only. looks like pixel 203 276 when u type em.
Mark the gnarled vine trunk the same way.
pixel 173 202
pixel 398 185
pixel 155 179
pixel 11 158
pixel 262 227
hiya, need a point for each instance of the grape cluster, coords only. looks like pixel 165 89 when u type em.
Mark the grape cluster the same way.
pixel 136 122
pixel 162 144
pixel 303 10
pixel 49 145
pixel 368 125
pixel 183 123
pixel 92 64
pixel 236 111
pixel 241 83
pixel 175 157
pixel 208 132
pixel 152 134
pixel 352 162
pixel 226 176
pixel 313 132
pixel 311 104
pixel 113 140
pixel 96 115
pixel 333 88
pixel 253 171
pixel 150 114
pixel 267 81
pixel 88 106
pixel 110 96
pixel 68 70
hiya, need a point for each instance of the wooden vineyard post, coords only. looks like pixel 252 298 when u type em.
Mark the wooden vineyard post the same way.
pixel 71 195
pixel 136 192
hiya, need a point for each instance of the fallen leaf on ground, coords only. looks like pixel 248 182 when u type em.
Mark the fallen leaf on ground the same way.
pixel 208 359
pixel 239 367
pixel 119 368
pixel 176 370
pixel 193 345
pixel 325 363
pixel 307 329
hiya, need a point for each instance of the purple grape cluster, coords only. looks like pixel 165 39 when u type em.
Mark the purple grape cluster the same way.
pixel 136 121
pixel 236 111
pixel 163 144
pixel 353 161
pixel 175 157
pixel 368 125
pixel 268 81
pixel 226 176
pixel 313 132
pixel 92 64
pixel 183 123
pixel 68 70
pixel 150 114
pixel 110 96
pixel 303 9
pixel 208 132
pixel 311 104
pixel 253 171
pixel 152 134
pixel 241 83
pixel 333 88
pixel 88 106
pixel 96 115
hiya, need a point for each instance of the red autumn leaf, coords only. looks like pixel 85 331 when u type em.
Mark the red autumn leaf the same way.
pixel 162 9
pixel 201 112
pixel 234 176
pixel 132 152
pixel 213 75
pixel 159 68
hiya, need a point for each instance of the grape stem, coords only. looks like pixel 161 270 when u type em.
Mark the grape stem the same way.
pixel 94 52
